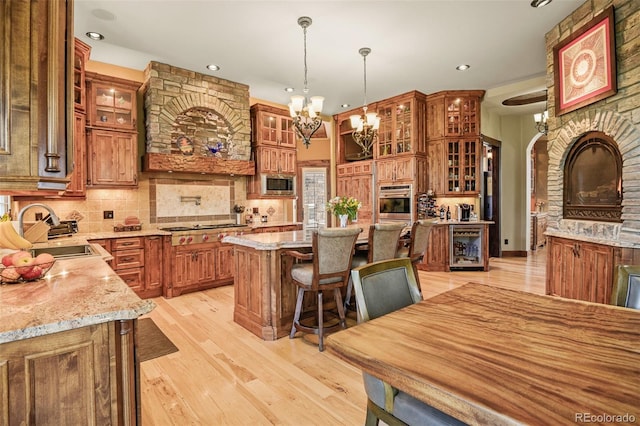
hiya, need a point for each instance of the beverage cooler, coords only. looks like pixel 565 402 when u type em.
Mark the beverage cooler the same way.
pixel 465 243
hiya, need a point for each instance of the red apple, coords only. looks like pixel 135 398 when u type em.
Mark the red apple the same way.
pixel 34 273
pixel 10 274
pixel 44 260
pixel 7 259
pixel 23 261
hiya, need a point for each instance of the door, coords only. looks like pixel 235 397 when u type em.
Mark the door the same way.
pixel 491 192
pixel 314 197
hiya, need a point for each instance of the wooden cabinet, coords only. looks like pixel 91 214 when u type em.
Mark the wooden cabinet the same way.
pixel 139 262
pixel 80 58
pixel 355 179
pixel 78 177
pixel 112 132
pixel 436 258
pixel 112 158
pixel 36 116
pixel 78 171
pixel 402 125
pixel 274 144
pixel 85 375
pixel 538 228
pixel 199 267
pixel 453 123
pixel 581 270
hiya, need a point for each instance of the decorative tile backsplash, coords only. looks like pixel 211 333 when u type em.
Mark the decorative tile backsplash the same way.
pixel 191 200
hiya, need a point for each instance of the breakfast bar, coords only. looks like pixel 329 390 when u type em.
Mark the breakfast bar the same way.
pixel 264 298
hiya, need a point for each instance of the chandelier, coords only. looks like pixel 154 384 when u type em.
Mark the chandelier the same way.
pixel 306 113
pixel 365 126
pixel 541 121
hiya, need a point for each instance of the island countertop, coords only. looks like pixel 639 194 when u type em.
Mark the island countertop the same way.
pixel 75 293
pixel 281 240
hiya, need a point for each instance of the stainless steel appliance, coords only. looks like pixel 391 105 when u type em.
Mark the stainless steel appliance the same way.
pixel 196 234
pixel 464 212
pixel 465 245
pixel 278 185
pixel 395 203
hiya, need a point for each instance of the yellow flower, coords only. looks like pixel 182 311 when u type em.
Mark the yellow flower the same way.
pixel 344 205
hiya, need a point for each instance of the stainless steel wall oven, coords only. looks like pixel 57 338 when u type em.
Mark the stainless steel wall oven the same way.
pixel 395 203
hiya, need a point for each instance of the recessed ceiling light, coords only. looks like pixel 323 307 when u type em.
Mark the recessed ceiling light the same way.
pixel 345 105
pixel 463 67
pixel 94 35
pixel 540 3
pixel 289 89
pixel 212 67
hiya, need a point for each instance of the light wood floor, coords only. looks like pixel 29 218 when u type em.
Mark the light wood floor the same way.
pixel 224 375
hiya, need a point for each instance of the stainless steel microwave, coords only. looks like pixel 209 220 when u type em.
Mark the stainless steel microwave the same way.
pixel 278 185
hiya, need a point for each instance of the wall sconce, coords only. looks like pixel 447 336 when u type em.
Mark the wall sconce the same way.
pixel 541 121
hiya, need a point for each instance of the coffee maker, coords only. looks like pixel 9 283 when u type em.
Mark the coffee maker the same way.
pixel 464 212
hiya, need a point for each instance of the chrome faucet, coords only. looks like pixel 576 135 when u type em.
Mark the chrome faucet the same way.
pixel 54 217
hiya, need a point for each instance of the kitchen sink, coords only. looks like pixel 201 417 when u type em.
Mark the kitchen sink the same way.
pixel 66 252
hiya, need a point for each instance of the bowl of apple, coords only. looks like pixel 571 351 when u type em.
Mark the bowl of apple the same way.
pixel 21 266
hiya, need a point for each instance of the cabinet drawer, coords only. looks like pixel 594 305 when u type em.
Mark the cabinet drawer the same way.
pixel 133 277
pixel 127 243
pixel 126 259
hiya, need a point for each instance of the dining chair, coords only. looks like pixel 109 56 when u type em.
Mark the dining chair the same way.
pixel 418 240
pixel 326 268
pixel 380 288
pixel 626 286
pixel 382 244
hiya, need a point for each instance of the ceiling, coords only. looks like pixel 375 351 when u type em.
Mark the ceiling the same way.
pixel 415 45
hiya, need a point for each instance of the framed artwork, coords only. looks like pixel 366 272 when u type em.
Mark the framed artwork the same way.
pixel 585 64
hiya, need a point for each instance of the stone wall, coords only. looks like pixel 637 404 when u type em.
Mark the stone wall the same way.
pixel 171 94
pixel 618 116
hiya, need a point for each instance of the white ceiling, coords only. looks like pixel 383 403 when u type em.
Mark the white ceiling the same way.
pixel 415 45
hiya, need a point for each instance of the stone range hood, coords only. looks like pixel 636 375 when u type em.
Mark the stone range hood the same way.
pixel 208 111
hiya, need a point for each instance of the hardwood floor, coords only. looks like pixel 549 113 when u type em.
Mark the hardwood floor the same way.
pixel 224 375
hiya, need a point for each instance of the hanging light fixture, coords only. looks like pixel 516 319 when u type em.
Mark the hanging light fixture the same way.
pixel 365 126
pixel 306 113
pixel 541 121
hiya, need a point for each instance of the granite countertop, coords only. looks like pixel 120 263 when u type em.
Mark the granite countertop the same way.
pixel 76 292
pixel 272 224
pixel 282 240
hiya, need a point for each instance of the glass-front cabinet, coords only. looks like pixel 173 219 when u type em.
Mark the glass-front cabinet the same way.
pixel 402 125
pixel 111 104
pixel 453 123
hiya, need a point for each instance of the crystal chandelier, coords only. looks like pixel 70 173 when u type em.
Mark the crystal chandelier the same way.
pixel 306 113
pixel 541 121
pixel 365 126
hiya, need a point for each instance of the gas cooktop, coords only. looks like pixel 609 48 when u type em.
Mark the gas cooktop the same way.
pixel 201 227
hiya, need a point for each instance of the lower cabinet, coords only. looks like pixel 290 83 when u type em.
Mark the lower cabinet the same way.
pixel 441 249
pixel 81 376
pixel 436 257
pixel 139 262
pixel 581 270
pixel 200 266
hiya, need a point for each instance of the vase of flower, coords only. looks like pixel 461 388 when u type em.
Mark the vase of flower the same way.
pixel 344 208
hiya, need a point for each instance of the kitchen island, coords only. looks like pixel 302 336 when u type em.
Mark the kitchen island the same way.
pixel 264 296
pixel 67 347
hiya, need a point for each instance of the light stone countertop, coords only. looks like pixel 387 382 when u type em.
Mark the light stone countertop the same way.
pixel 75 293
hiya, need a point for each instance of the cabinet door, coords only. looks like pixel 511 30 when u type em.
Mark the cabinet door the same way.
pixel 288 161
pixel 224 267
pixel 153 256
pixel 403 127
pixel 385 131
pixel 112 106
pixel 78 177
pixel 204 264
pixel 462 116
pixel 471 166
pixel 435 118
pixel 386 170
pixel 113 158
pixel 436 257
pixel 276 130
pixel 404 168
pixel 184 273
pixel 437 158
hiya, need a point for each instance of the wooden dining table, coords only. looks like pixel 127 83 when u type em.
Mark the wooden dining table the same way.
pixel 489 355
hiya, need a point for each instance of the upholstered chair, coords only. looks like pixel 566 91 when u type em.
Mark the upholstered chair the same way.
pixel 383 287
pixel 327 268
pixel 382 244
pixel 418 241
pixel 626 286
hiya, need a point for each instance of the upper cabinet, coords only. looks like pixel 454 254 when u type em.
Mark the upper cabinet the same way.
pixel 272 126
pixel 36 110
pixel 112 103
pixel 80 58
pixel 454 150
pixel 402 125
pixel 273 141
pixel 112 137
pixel 453 113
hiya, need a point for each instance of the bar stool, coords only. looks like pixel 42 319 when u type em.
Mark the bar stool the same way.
pixel 329 269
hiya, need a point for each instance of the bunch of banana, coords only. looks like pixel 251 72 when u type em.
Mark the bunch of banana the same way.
pixel 10 239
